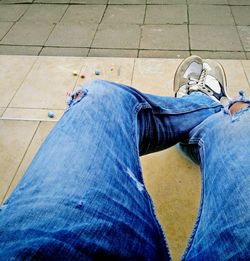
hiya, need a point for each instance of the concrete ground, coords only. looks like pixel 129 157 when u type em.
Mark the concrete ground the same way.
pixel 30 86
pixel 126 28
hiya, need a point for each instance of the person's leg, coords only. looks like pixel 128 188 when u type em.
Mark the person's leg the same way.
pixel 221 145
pixel 83 196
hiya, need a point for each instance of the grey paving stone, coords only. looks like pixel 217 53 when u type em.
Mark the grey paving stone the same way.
pixel 44 13
pixel 19 50
pixel 52 1
pixel 4 28
pixel 244 32
pixel 239 2
pixel 166 14
pixel 112 53
pixel 84 13
pixel 248 55
pixel 163 54
pixel 220 55
pixel 131 14
pixel 11 13
pixel 58 51
pixel 131 2
pixel 117 36
pixel 214 38
pixel 241 14
pixel 26 33
pixel 89 2
pixel 72 35
pixel 210 14
pixel 165 37
pixel 209 2
pixel 16 1
pixel 166 2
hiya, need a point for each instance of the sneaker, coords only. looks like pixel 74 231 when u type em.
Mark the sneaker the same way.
pixel 187 75
pixel 212 81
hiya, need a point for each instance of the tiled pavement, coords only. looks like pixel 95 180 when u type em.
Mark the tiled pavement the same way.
pixel 30 86
pixel 126 28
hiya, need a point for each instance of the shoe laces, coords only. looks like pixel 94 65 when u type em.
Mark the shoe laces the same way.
pixel 200 84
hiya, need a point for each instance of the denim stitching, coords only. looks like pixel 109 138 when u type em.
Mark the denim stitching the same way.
pixel 198 218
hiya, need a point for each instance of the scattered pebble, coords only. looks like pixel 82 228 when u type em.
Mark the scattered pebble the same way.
pixel 82 76
pixel 75 73
pixel 97 72
pixel 51 114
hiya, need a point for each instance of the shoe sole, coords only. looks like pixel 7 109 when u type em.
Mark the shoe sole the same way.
pixel 176 86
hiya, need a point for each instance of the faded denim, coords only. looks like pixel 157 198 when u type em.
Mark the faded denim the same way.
pixel 83 196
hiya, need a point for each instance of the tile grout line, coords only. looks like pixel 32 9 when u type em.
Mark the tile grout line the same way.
pixel 133 72
pixel 188 28
pixel 238 32
pixel 4 197
pixel 143 23
pixel 55 24
pixel 90 47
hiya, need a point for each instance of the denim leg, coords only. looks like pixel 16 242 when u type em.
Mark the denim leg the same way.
pixel 222 228
pixel 83 195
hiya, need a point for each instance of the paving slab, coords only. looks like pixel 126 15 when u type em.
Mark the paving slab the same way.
pixel 11 13
pixel 176 196
pixel 155 76
pixel 236 77
pixel 60 51
pixel 220 55
pixel 163 54
pixel 244 32
pixel 13 71
pixel 26 33
pixel 84 13
pixel 15 137
pixel 72 35
pixel 131 2
pixel 117 36
pixel 166 2
pixel 53 1
pixel 166 14
pixel 246 68
pixel 210 2
pixel 2 111
pixel 238 2
pixel 44 87
pixel 241 14
pixel 37 140
pixel 214 38
pixel 112 53
pixel 4 28
pixel 248 55
pixel 210 14
pixel 44 13
pixel 169 37
pixel 19 50
pixel 31 114
pixel 118 70
pixel 89 1
pixel 16 1
pixel 128 14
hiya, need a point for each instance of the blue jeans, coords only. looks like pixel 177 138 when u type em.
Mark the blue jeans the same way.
pixel 83 196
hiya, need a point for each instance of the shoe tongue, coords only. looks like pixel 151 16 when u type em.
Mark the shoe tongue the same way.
pixel 213 84
pixel 193 70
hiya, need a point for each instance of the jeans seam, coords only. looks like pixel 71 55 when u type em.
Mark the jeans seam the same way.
pixel 139 170
pixel 198 218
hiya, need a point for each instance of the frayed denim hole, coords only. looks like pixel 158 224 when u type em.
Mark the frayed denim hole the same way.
pixel 72 100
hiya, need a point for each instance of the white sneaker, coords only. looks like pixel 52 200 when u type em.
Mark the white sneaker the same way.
pixel 187 75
